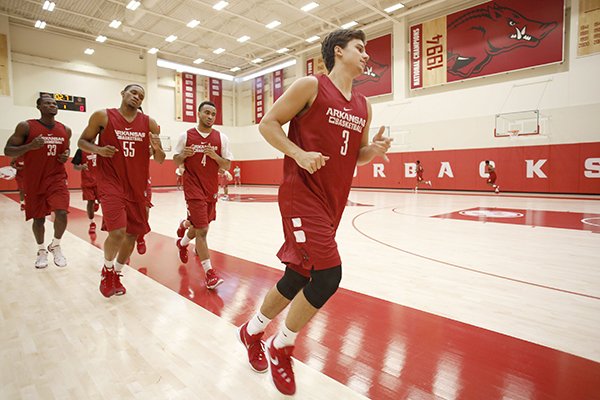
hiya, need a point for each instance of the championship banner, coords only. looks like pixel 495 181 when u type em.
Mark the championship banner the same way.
pixel 491 38
pixel 589 28
pixel 259 98
pixel 216 96
pixel 277 84
pixel 376 79
pixel 315 66
pixel 185 97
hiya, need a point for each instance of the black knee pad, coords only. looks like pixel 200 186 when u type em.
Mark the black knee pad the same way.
pixel 323 285
pixel 291 283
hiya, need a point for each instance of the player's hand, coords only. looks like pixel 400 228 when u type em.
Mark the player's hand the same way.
pixel 155 141
pixel 107 151
pixel 36 143
pixel 381 144
pixel 187 152
pixel 312 161
pixel 64 156
pixel 84 167
pixel 209 151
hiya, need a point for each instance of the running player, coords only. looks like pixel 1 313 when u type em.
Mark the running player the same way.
pixel 420 176
pixel 44 145
pixel 86 163
pixel 203 151
pixel 18 164
pixel 328 137
pixel 126 137
pixel 491 180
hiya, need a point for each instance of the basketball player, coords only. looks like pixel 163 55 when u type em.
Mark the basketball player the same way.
pixel 224 179
pixel 18 164
pixel 140 242
pixel 489 169
pixel 203 151
pixel 44 145
pixel 328 137
pixel 420 176
pixel 237 176
pixel 86 163
pixel 126 137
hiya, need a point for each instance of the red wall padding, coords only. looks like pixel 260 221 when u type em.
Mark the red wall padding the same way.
pixel 565 170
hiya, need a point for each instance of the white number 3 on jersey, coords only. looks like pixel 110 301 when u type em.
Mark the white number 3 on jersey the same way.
pixel 345 138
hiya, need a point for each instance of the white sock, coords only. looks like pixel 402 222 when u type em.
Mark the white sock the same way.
pixel 118 266
pixel 206 265
pixel 41 247
pixel 185 240
pixel 108 264
pixel 55 242
pixel 258 323
pixel 284 338
pixel 92 221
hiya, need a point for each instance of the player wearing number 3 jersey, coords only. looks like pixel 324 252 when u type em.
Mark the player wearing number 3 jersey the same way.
pixel 126 135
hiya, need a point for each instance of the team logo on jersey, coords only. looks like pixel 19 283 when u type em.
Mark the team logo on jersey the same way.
pixel 130 136
pixel 53 139
pixel 491 214
pixel 199 148
pixel 345 119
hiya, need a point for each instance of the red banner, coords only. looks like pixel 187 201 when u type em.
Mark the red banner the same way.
pixel 188 97
pixel 310 66
pixel 216 96
pixel 259 98
pixel 376 79
pixel 490 38
pixel 277 84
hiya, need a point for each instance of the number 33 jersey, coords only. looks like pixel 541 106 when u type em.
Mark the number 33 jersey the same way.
pixel 332 126
pixel 126 172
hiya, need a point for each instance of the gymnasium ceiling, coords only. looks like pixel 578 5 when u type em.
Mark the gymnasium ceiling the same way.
pixel 154 20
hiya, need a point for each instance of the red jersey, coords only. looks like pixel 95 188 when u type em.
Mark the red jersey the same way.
pixel 201 176
pixel 126 173
pixel 43 168
pixel 420 171
pixel 88 176
pixel 334 127
pixel 491 170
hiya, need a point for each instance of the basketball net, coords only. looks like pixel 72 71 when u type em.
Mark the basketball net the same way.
pixel 513 133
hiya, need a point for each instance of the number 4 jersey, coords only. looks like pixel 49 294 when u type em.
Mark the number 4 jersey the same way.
pixel 126 173
pixel 332 126
pixel 45 171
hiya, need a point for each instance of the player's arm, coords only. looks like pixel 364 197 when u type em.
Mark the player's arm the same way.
pixel 64 156
pixel 156 149
pixel 299 96
pixel 98 120
pixel 223 160
pixel 181 150
pixel 378 147
pixel 77 161
pixel 15 145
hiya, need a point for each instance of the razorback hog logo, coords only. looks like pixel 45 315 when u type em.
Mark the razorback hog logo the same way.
pixel 372 73
pixel 487 32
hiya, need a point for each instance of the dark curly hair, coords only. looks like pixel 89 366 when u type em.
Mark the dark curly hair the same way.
pixel 341 37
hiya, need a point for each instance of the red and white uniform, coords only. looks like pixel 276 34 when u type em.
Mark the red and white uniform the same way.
pixel 45 179
pixel 200 178
pixel 88 176
pixel 491 171
pixel 20 165
pixel 311 206
pixel 419 173
pixel 148 194
pixel 122 179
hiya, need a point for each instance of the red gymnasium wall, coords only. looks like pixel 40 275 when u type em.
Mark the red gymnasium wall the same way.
pixel 566 168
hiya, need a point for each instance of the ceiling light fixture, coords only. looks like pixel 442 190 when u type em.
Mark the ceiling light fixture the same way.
pixel 133 5
pixel 49 5
pixel 115 24
pixel 171 38
pixel 267 70
pixel 198 60
pixel 220 5
pixel 89 51
pixel 40 24
pixel 283 50
pixel 310 6
pixel 257 60
pixel 393 8
pixel 313 39
pixel 235 69
pixel 194 70
pixel 349 25
pixel 243 39
pixel 193 23
pixel 101 38
pixel 219 50
pixel 273 24
pixel 153 50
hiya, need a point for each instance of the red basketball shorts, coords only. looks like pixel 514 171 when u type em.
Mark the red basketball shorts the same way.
pixel 201 213
pixel 41 204
pixel 118 212
pixel 89 193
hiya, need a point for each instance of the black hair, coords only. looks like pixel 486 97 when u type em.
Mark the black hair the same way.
pixel 418 162
pixel 487 161
pixel 43 96
pixel 206 103
pixel 134 84
pixel 340 37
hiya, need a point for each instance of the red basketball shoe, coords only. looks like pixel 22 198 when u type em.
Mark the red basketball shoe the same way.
pixel 107 282
pixel 212 279
pixel 96 206
pixel 92 230
pixel 141 245
pixel 280 364
pixel 183 253
pixel 255 347
pixel 119 288
pixel 181 229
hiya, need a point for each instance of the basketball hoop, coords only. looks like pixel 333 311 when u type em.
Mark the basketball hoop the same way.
pixel 514 133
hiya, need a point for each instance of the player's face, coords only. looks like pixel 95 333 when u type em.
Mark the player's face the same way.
pixel 207 115
pixel 133 96
pixel 355 55
pixel 48 106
